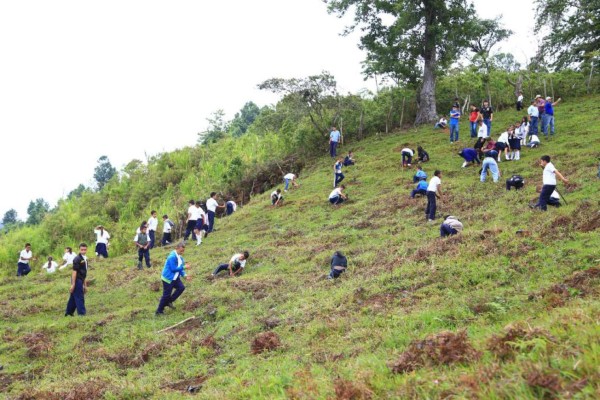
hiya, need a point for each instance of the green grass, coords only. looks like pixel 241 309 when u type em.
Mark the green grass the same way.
pixel 340 338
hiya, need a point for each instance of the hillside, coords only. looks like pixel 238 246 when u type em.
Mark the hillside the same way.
pixel 525 308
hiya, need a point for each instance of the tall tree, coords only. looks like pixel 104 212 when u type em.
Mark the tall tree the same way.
pixel 411 38
pixel 10 217
pixel 36 211
pixel 243 119
pixel 217 128
pixel 104 171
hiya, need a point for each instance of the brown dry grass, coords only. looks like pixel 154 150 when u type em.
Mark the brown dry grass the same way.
pixel 265 341
pixel 348 390
pixel 38 344
pixel 505 346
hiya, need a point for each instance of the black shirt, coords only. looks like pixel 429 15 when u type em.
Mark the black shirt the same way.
pixel 80 265
pixel 487 112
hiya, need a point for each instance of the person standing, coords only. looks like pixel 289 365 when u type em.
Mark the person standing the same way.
pixel 473 117
pixel 407 155
pixel 451 226
pixel 549 182
pixel 235 266
pixel 502 143
pixel 514 142
pixel 23 267
pixel 211 207
pixel 50 265
pixel 78 284
pixel 102 237
pixel 337 196
pixel 339 264
pixel 152 228
pixel 487 113
pixel 68 258
pixel 173 270
pixel 534 116
pixel 142 242
pixel 201 224
pixel 190 224
pixel 454 119
pixel 230 207
pixel 434 191
pixel 334 138
pixel 540 103
pixel 167 228
pixel 289 178
pixel 337 172
pixel 549 116
pixel 519 101
pixel 482 130
pixel 489 162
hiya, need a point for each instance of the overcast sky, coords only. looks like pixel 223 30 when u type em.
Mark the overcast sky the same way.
pixel 82 79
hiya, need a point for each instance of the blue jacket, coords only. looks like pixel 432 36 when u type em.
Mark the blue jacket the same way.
pixel 422 185
pixel 421 174
pixel 468 154
pixel 171 268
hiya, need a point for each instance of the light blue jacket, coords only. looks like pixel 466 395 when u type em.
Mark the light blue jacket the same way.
pixel 172 268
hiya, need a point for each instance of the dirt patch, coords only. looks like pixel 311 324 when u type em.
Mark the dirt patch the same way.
pixel 128 358
pixel 105 321
pixel 258 289
pixel 347 390
pixel 546 385
pixel 444 348
pixel 155 286
pixel 192 305
pixel 210 342
pixel 448 247
pixel 38 344
pixel 191 385
pixel 505 346
pixel 265 341
pixel 90 390
pixel 579 284
pixel 92 338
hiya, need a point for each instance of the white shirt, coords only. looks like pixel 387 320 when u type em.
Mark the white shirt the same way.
pixel 482 132
pixel 69 257
pixel 443 121
pixel 52 268
pixel 503 138
pixel 549 177
pixel 201 215
pixel 520 98
pixel 152 223
pixel 192 212
pixel 555 195
pixel 534 138
pixel 433 184
pixel 275 194
pixel 409 151
pixel 101 236
pixel 289 176
pixel 235 205
pixel 533 111
pixel 236 258
pixel 211 204
pixel 335 193
pixel 25 254
pixel 167 226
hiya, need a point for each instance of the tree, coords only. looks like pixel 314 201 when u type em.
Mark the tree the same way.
pixel 36 211
pixel 242 120
pixel 77 192
pixel 104 172
pixel 574 36
pixel 423 37
pixel 217 128
pixel 10 217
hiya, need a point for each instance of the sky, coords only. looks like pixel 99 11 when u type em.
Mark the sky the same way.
pixel 132 78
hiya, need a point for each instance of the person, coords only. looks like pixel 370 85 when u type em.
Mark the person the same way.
pixel 454 119
pixel 78 287
pixel 152 228
pixel 289 178
pixel 142 242
pixel 102 237
pixel 407 155
pixel 230 207
pixel 470 156
pixel 339 264
pixel 337 172
pixel 456 103
pixel 549 182
pixel 524 130
pixel 434 191
pixel 540 103
pixel 519 101
pixel 534 114
pixel 502 144
pixel 68 258
pixel 192 218
pixel 349 159
pixel 554 199
pixel 276 197
pixel 423 155
pixel 420 189
pixel 487 113
pixel 514 143
pixel 450 226
pixel 482 130
pixel 489 162
pixel 50 265
pixel 490 146
pixel 334 138
pixel 515 181
pixel 202 224
pixel 167 228
pixel 442 123
pixel 337 196
pixel 235 266
pixel 534 141
pixel 23 267
pixel 211 208
pixel 172 272
pixel 473 117
pixel 478 146
pixel 548 119
pixel 419 175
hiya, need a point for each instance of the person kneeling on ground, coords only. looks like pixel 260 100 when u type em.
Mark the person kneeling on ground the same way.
pixel 470 156
pixel 420 189
pixel 50 265
pixel 336 196
pixel 442 123
pixel 349 160
pixel 407 155
pixel 235 266
pixel 339 263
pixel 174 269
pixel 534 141
pixel 419 175
pixel 450 226
pixel 276 198
pixel 489 162
pixel 422 154
pixel 516 181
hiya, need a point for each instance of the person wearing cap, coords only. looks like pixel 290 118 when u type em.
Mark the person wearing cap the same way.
pixel 102 237
pixel 548 118
pixel 167 228
pixel 50 265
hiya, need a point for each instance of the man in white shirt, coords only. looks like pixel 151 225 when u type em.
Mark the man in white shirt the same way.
pixel 235 266
pixel 102 238
pixel 334 138
pixel 68 258
pixel 482 131
pixel 50 266
pixel 276 198
pixel 519 101
pixel 549 182
pixel 211 208
pixel 289 178
pixel 25 256
pixel 167 228
pixel 407 155
pixel 152 228
pixel 336 196
pixel 433 191
pixel 534 115
pixel 191 221
pixel 201 223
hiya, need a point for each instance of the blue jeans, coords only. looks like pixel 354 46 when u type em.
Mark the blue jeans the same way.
pixel 332 148
pixel 211 221
pixel 152 235
pixel 453 133
pixel 338 178
pixel 488 123
pixel 76 300
pixel 473 129
pixel 447 230
pixel 548 122
pixel 169 296
pixel 533 126
pixel 144 254
pixel 223 267
pixel 545 196
pixel 489 163
pixel 287 184
pixel 431 205
pixel 23 269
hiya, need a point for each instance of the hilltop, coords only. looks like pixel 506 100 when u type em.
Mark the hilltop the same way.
pixel 485 314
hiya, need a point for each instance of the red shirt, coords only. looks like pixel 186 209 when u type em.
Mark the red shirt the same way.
pixel 473 115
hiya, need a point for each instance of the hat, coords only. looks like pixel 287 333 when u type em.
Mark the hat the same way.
pixel 548 98
pixel 538 95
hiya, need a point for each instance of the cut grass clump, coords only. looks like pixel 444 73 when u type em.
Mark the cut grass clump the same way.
pixel 265 341
pixel 516 339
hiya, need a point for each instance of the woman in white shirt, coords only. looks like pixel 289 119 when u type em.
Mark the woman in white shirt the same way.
pixel 482 132
pixel 50 265
pixel 102 238
pixel 68 258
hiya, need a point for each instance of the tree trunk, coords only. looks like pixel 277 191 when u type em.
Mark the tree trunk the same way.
pixel 389 114
pixel 589 82
pixel 402 112
pixel 360 125
pixel 426 109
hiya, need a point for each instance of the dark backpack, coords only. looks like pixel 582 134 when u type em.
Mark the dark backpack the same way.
pixel 516 181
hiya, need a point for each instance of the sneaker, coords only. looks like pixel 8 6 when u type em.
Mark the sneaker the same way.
pixel 430 221
pixel 158 314
pixel 171 306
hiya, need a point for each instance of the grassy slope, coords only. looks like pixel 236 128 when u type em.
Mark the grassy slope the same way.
pixel 403 284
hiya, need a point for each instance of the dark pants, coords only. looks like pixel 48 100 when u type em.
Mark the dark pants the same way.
pixel 23 269
pixel 152 235
pixel 533 126
pixel 166 239
pixel 431 205
pixel 406 157
pixel 510 184
pixel 335 273
pixel 545 196
pixel 447 230
pixel 415 192
pixel 336 200
pixel 553 201
pixel 101 250
pixel 333 148
pixel 338 178
pixel 211 221
pixel 76 300
pixel 189 228
pixel 169 296
pixel 229 209
pixel 221 268
pixel 144 254
pixel 519 105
